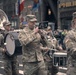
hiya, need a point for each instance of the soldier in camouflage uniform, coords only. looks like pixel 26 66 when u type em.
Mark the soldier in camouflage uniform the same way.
pixel 70 43
pixel 53 43
pixel 10 62
pixel 50 49
pixel 29 37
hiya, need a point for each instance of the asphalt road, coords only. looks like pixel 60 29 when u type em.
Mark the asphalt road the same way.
pixel 20 66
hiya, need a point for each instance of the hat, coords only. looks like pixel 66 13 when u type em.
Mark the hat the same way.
pixel 31 18
pixel 6 23
pixel 74 15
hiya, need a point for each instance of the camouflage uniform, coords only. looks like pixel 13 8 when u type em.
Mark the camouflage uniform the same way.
pixel 10 62
pixel 70 43
pixel 33 62
pixel 51 44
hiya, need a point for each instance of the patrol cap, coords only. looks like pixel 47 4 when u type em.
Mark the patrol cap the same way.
pixel 6 23
pixel 31 18
pixel 74 15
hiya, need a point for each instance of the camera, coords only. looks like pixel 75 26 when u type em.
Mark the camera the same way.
pixel 45 24
pixel 42 25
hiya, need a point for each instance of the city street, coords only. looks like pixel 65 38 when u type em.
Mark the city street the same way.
pixel 20 67
pixel 50 19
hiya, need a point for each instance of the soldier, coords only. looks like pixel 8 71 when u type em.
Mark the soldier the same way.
pixel 52 41
pixel 10 62
pixel 29 37
pixel 70 43
pixel 51 48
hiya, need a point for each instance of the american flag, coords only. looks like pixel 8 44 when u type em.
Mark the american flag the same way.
pixel 19 6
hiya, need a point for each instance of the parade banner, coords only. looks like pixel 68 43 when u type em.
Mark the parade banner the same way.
pixel 35 5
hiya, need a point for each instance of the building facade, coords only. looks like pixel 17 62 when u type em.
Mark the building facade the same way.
pixel 8 6
pixel 47 10
pixel 66 9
